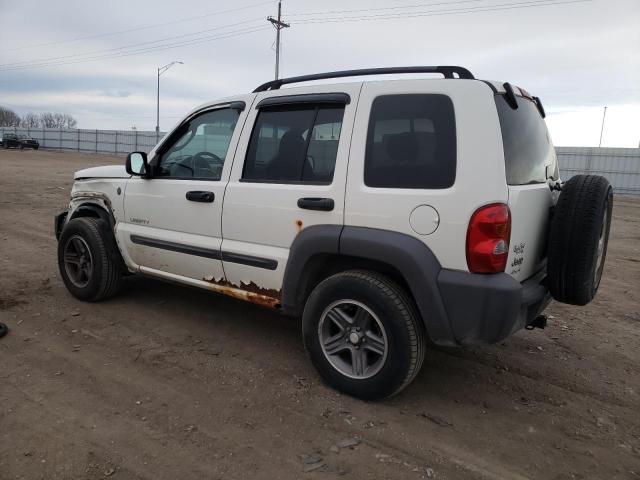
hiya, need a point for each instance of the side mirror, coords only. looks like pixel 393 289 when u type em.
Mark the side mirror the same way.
pixel 137 164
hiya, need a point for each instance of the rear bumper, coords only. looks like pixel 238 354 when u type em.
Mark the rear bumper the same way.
pixel 483 309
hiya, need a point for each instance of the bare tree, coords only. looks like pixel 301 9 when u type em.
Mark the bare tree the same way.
pixel 30 120
pixel 57 120
pixel 68 121
pixel 8 118
pixel 47 120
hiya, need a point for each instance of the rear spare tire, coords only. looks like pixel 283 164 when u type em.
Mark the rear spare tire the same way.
pixel 578 239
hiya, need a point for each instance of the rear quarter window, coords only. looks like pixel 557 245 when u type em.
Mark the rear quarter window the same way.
pixel 529 156
pixel 411 142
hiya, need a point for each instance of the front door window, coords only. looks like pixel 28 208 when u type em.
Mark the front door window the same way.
pixel 200 151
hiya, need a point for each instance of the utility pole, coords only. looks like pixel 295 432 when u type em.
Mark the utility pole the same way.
pixel 602 128
pixel 279 25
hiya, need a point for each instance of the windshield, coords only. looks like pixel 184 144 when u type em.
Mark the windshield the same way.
pixel 529 155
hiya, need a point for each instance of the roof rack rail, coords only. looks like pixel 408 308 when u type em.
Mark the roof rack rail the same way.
pixel 449 71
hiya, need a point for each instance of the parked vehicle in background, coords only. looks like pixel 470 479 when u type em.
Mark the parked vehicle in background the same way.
pixel 11 140
pixel 383 213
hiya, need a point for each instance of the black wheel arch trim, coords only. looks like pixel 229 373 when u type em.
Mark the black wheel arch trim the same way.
pixel 312 242
pixel 90 209
pixel 414 259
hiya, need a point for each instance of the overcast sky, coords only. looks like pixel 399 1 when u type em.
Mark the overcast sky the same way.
pixel 577 55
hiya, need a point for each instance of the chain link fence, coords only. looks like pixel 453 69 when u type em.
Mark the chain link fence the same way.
pixel 620 165
pixel 114 142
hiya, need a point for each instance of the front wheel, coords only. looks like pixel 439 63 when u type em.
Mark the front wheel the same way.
pixel 87 259
pixel 363 334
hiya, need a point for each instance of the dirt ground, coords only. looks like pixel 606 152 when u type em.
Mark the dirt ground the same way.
pixel 168 382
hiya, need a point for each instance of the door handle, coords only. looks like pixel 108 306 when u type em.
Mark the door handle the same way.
pixel 309 203
pixel 198 196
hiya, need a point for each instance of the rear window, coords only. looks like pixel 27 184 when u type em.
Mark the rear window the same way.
pixel 528 152
pixel 411 142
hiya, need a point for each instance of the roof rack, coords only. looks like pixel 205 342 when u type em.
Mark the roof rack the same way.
pixel 448 71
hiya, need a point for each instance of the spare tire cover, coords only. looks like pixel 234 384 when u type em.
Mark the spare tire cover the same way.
pixel 578 239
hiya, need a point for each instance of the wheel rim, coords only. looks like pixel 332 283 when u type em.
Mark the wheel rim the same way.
pixel 597 274
pixel 353 339
pixel 78 262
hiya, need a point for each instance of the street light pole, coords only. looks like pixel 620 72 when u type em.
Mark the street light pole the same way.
pixel 158 105
pixel 161 70
pixel 604 115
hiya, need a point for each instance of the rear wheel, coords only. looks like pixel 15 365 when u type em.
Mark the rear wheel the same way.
pixel 363 334
pixel 578 239
pixel 87 259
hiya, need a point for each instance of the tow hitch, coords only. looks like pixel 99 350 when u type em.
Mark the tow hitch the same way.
pixel 539 322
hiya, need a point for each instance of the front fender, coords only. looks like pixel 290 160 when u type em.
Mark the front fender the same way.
pixel 94 204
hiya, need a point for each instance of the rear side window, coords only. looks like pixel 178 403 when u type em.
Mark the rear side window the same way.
pixel 411 142
pixel 294 144
pixel 529 156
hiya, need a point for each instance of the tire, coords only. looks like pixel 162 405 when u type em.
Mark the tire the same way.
pixel 92 235
pixel 578 239
pixel 391 316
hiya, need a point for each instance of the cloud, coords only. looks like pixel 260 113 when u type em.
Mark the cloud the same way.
pixel 576 57
pixel 115 93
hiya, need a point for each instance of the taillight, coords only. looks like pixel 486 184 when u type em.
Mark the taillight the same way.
pixel 488 239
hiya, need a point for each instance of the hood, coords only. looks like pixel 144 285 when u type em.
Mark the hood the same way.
pixel 108 171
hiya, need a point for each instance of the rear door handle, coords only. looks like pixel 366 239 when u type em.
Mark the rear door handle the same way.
pixel 199 196
pixel 308 203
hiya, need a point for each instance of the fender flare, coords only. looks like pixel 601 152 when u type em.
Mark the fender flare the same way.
pixel 97 210
pixel 96 203
pixel 406 254
pixel 90 204
pixel 312 242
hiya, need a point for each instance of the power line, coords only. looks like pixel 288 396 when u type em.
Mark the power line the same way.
pixel 429 13
pixel 143 27
pixel 140 51
pixel 433 13
pixel 125 47
pixel 157 45
pixel 397 7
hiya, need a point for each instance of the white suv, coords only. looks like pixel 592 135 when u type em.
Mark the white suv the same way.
pixel 384 213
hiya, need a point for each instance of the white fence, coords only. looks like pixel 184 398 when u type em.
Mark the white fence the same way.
pixel 620 165
pixel 114 142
